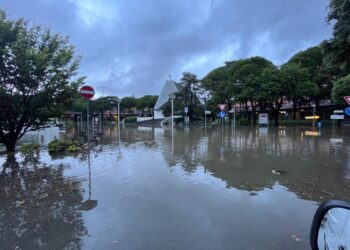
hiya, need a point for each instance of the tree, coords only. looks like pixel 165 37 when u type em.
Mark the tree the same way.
pixel 246 74
pixel 296 80
pixel 338 47
pixel 273 91
pixel 190 90
pixel 128 103
pixel 36 71
pixel 147 101
pixel 312 61
pixel 341 88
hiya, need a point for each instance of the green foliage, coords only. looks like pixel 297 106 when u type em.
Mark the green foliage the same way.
pixel 312 60
pixel 30 150
pixel 128 102
pixel 296 80
pixel 338 47
pixel 147 101
pixel 62 146
pixel 130 120
pixel 73 149
pixel 37 69
pixel 341 88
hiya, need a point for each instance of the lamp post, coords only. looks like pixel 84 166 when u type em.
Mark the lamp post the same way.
pixel 118 108
pixel 171 98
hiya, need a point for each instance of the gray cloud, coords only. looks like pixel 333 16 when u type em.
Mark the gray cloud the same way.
pixel 130 46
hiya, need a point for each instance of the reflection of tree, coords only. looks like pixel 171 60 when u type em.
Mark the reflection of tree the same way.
pixel 39 209
pixel 254 159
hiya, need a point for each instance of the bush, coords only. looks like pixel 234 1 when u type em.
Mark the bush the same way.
pixel 73 149
pixel 131 119
pixel 57 146
pixel 30 150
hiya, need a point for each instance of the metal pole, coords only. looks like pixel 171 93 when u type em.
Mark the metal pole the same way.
pixel 87 120
pixel 118 116
pixel 172 112
pixel 313 113
pixel 234 117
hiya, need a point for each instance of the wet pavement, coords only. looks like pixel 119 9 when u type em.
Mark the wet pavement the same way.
pixel 144 188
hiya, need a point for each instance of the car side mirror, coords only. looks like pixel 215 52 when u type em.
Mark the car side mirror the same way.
pixel 331 226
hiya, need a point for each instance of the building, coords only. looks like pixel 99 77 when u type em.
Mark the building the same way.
pixel 170 87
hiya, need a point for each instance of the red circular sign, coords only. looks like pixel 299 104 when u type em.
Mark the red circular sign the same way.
pixel 87 92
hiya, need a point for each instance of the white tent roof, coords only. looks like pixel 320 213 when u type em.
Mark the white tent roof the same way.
pixel 169 87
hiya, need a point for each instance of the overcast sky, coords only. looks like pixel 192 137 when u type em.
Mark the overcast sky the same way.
pixel 131 46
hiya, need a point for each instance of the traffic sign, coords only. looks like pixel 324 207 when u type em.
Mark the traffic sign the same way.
pixel 338 111
pixel 337 117
pixel 347 111
pixel 186 110
pixel 232 110
pixel 347 99
pixel 87 92
pixel 222 114
pixel 222 106
pixel 208 112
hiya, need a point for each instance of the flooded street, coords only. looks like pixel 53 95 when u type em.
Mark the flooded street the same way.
pixel 200 188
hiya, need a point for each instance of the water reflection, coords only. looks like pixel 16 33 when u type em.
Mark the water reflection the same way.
pixel 39 208
pixel 193 188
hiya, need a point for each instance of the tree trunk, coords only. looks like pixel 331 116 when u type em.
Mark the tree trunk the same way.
pixel 10 145
pixel 294 111
pixel 276 117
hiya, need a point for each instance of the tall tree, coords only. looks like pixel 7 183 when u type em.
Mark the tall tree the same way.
pixel 36 71
pixel 296 80
pixel 341 88
pixel 190 90
pixel 312 60
pixel 338 47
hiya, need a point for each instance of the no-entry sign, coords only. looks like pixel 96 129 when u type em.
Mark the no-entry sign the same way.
pixel 87 92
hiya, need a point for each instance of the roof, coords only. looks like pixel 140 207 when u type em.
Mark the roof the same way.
pixel 170 87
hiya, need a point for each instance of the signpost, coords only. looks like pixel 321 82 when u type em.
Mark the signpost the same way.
pixel 87 92
pixel 222 107
pixel 347 111
pixel 337 117
pixel 234 116
pixel 263 119
pixel 347 99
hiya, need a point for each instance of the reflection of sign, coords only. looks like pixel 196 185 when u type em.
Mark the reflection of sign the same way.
pixel 336 140
pixel 347 99
pixel 187 119
pixel 87 92
pixel 337 117
pixel 208 112
pixel 312 117
pixel 222 114
pixel 312 133
pixel 186 109
pixel 263 118
pixel 222 106
pixel 347 111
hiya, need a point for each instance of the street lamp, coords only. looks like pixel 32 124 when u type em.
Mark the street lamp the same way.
pixel 171 98
pixel 117 100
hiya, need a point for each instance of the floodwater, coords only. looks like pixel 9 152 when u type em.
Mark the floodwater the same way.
pixel 198 188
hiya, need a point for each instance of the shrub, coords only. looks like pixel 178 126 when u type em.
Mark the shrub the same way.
pixel 57 146
pixel 30 150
